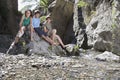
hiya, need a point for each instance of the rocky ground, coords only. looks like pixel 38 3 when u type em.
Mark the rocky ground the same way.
pixel 34 67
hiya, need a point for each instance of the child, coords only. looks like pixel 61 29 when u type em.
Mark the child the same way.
pixel 48 26
pixel 25 24
pixel 57 40
pixel 36 24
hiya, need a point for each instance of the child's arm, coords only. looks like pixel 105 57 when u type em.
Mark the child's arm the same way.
pixel 31 29
pixel 30 21
pixel 45 29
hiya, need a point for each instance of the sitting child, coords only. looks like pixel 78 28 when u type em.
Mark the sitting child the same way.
pixel 36 24
pixel 25 24
pixel 57 40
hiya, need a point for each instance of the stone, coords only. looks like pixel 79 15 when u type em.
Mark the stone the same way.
pixel 4 41
pixel 70 47
pixel 43 48
pixel 37 67
pixel 116 27
pixel 62 19
pixel 99 32
pixel 78 66
pixel 102 21
pixel 8 11
pixel 108 56
pixel 102 30
pixel 79 26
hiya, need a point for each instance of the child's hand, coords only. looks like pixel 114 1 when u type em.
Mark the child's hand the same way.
pixel 33 30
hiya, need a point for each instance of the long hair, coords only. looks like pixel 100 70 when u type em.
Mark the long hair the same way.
pixel 30 13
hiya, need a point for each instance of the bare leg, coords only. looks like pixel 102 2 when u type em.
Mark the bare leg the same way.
pixel 48 39
pixel 16 39
pixel 19 34
pixel 60 41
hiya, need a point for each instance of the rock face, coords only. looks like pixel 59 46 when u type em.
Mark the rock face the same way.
pixel 99 30
pixel 116 27
pixel 8 11
pixel 102 20
pixel 95 24
pixel 62 16
pixel 4 41
pixel 79 26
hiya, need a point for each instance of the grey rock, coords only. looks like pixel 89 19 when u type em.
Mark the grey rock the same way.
pixel 103 28
pixel 70 47
pixel 99 32
pixel 78 25
pixel 78 66
pixel 116 26
pixel 43 48
pixel 108 56
pixel 9 22
pixel 62 19
pixel 73 49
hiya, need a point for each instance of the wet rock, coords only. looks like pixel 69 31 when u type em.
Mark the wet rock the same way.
pixel 108 56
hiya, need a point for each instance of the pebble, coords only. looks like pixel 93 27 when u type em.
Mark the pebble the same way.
pixel 57 68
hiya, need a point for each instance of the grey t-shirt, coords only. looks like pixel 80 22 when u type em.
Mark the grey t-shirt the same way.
pixel 49 27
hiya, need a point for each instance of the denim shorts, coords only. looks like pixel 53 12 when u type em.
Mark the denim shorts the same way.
pixel 40 32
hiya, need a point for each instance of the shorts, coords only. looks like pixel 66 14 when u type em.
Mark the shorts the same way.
pixel 20 34
pixel 40 32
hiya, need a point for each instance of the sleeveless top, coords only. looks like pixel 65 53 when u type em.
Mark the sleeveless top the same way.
pixel 26 22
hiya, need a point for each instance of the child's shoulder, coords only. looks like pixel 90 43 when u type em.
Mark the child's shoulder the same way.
pixel 56 36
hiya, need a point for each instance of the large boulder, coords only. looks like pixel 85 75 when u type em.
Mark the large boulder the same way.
pixel 36 47
pixel 99 31
pixel 62 19
pixel 103 28
pixel 4 41
pixel 8 12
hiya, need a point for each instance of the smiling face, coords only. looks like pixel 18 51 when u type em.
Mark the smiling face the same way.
pixel 48 19
pixel 27 13
pixel 37 15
